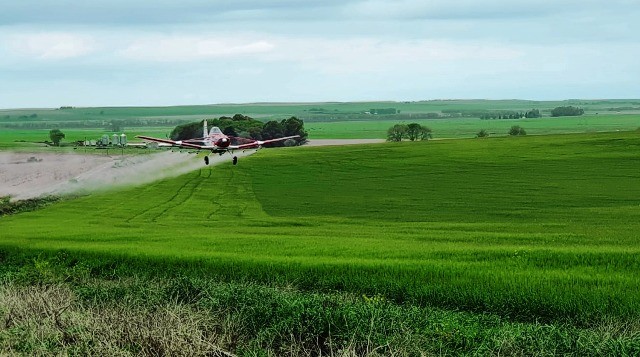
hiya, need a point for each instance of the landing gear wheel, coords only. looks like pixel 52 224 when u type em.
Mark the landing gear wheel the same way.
pixel 235 160
pixel 206 160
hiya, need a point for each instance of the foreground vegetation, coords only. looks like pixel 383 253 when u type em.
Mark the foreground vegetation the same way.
pixel 500 245
pixel 70 304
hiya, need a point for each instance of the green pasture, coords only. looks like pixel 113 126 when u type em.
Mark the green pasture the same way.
pixel 442 128
pixel 33 139
pixel 469 127
pixel 72 135
pixel 539 228
pixel 310 112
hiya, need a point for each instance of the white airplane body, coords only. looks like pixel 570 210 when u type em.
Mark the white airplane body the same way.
pixel 215 141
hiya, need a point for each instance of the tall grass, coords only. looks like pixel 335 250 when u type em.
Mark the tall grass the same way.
pixel 51 307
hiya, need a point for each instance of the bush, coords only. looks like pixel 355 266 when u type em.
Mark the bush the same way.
pixel 482 134
pixel 517 130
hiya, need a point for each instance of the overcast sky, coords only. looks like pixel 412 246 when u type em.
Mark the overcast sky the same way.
pixel 161 52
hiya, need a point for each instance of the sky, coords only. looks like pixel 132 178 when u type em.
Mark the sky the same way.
pixel 158 52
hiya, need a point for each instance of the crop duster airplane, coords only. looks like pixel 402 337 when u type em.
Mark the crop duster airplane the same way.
pixel 215 141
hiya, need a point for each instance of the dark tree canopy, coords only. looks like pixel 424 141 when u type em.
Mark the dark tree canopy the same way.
pixel 483 133
pixel 413 132
pixel 566 111
pixel 397 132
pixel 517 130
pixel 294 126
pixel 533 113
pixel 56 136
pixel 244 126
pixel 187 131
pixel 272 130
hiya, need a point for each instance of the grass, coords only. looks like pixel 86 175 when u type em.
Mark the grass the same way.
pixel 199 317
pixel 372 128
pixel 530 229
pixel 469 127
pixel 323 120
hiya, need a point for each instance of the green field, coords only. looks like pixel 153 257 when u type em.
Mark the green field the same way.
pixel 458 118
pixel 469 127
pixel 534 228
pixel 372 129
pixel 501 245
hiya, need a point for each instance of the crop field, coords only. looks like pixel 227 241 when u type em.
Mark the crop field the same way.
pixel 498 245
pixel 25 138
pixel 469 127
pixel 535 228
pixel 454 118
pixel 370 129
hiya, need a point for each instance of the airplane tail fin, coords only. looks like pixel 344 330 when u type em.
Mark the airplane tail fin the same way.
pixel 205 132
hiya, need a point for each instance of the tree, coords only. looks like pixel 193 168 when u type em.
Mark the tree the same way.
pixel 413 131
pixel 271 130
pixel 482 134
pixel 240 117
pixel 566 111
pixel 255 133
pixel 425 133
pixel 516 130
pixel 294 126
pixel 533 113
pixel 116 125
pixel 56 136
pixel 229 131
pixel 397 132
pixel 187 131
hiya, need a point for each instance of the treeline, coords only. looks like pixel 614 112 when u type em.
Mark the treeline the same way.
pixel 329 117
pixel 383 111
pixel 241 126
pixel 413 132
pixel 91 124
pixel 492 114
pixel 533 113
pixel 566 111
pixel 33 116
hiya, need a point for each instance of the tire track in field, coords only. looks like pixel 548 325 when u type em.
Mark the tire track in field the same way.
pixel 143 212
pixel 217 200
pixel 202 180
pixel 227 203
pixel 175 202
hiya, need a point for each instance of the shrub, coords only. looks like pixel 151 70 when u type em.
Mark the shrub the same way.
pixel 517 130
pixel 482 134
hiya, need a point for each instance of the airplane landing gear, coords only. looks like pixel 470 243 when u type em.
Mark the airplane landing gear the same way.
pixel 235 160
pixel 206 160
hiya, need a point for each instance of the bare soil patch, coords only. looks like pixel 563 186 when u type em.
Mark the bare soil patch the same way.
pixel 29 175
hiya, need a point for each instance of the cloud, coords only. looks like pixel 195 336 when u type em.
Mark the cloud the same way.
pixel 50 45
pixel 184 48
pixel 371 55
pixel 478 10
pixel 139 12
pixel 157 51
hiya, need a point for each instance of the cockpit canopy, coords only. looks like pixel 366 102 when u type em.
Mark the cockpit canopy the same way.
pixel 215 131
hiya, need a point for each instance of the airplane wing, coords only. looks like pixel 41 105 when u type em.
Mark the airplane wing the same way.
pixel 190 145
pixel 258 143
pixel 173 143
